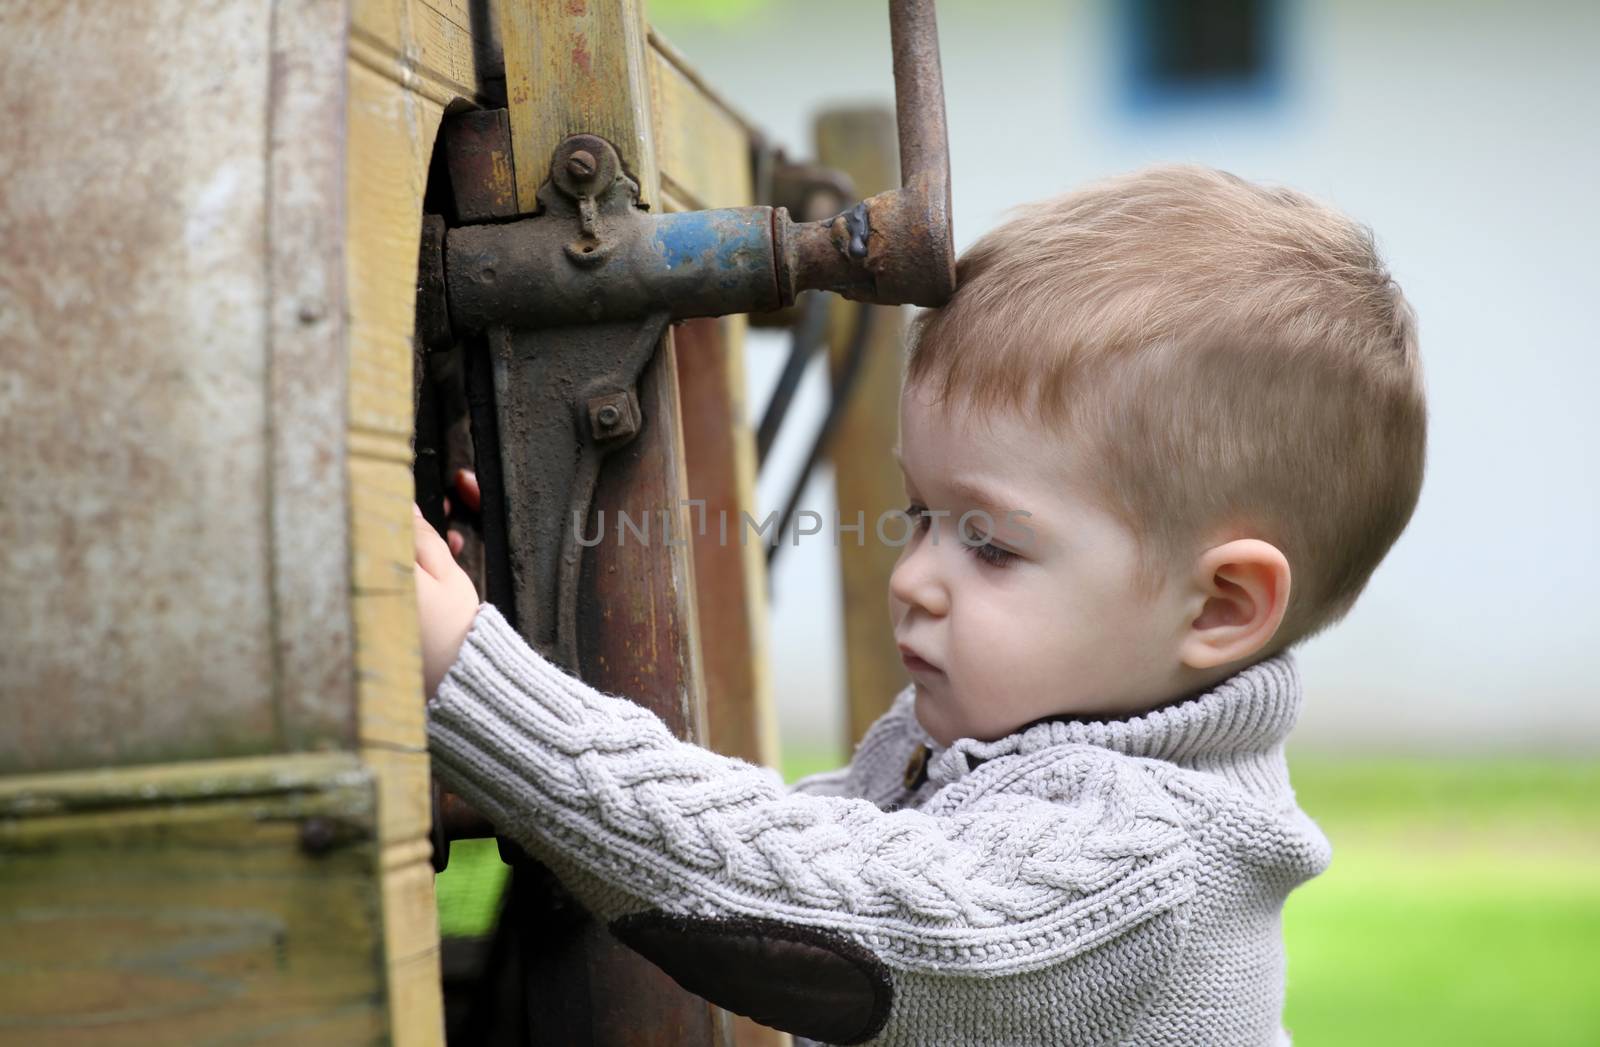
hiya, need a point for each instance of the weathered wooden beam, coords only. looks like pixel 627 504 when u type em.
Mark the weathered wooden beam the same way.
pixel 702 143
pixel 204 902
pixel 730 576
pixel 567 65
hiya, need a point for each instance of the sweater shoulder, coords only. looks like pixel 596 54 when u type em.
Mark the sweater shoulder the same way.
pixel 877 768
pixel 1230 820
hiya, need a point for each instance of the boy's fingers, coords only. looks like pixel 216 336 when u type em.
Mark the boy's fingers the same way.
pixel 432 555
pixel 467 487
pixel 454 540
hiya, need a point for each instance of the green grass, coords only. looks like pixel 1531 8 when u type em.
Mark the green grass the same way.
pixel 1462 907
pixel 469 889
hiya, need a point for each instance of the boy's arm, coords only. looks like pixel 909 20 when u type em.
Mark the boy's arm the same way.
pixel 760 899
pixel 824 783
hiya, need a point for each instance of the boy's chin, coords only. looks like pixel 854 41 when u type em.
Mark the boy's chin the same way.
pixel 932 719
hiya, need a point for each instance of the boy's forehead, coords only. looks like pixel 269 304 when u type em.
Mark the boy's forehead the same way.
pixel 975 451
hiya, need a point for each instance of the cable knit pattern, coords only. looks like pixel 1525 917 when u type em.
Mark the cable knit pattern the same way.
pixel 1073 883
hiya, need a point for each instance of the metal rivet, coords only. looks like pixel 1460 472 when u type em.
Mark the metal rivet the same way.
pixel 317 836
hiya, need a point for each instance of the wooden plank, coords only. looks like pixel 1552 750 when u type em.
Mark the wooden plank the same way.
pixel 719 443
pixel 441 50
pixel 730 578
pixel 861 142
pixel 187 263
pixel 571 67
pixel 392 122
pixel 702 146
pixel 177 904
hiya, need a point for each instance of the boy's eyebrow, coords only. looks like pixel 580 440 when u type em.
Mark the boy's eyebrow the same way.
pixel 973 490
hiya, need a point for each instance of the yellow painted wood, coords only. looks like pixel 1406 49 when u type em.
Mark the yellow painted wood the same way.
pixel 577 66
pixel 269 238
pixel 397 92
pixel 702 144
pixel 175 904
pixel 862 143
pixel 428 47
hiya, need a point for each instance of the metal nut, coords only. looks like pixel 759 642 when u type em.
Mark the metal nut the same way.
pixel 613 416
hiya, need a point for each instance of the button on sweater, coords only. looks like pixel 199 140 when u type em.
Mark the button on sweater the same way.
pixel 1076 882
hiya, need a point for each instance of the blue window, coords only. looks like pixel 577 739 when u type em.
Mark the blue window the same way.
pixel 1194 54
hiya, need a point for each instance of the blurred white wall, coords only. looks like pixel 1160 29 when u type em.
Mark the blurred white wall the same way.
pixel 1463 133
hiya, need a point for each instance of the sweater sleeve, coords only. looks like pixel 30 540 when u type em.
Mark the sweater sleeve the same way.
pixel 635 821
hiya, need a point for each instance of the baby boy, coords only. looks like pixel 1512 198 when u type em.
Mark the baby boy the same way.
pixel 1164 432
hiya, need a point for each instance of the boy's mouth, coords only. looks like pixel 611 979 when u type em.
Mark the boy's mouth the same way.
pixel 914 662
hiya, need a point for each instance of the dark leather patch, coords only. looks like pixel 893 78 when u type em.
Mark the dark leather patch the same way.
pixel 803 980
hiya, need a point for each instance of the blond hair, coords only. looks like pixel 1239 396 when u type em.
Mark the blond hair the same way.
pixel 1228 357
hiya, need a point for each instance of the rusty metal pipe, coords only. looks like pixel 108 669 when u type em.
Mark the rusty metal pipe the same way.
pixel 930 276
pixel 919 99
pixel 896 247
pixel 533 273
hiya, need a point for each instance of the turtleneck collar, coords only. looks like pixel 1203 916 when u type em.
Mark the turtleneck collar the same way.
pixel 1236 728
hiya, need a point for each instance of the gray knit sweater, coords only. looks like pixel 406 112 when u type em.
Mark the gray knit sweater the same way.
pixel 1077 882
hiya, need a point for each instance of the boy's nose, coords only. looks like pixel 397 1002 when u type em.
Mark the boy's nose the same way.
pixel 916 582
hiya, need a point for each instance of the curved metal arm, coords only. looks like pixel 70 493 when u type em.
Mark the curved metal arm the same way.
pixel 896 247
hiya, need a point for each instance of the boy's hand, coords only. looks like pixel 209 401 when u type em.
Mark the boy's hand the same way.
pixel 467 490
pixel 446 602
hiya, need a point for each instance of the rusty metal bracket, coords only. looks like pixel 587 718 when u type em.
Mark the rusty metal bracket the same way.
pixel 565 398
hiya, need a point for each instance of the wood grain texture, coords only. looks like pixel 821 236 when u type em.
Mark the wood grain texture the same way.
pixel 220 255
pixel 861 142
pixel 393 120
pixel 702 147
pixel 571 66
pixel 730 577
pixel 176 904
pixel 441 50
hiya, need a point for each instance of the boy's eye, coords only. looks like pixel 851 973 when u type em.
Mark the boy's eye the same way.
pixel 987 552
pixel 978 544
pixel 916 511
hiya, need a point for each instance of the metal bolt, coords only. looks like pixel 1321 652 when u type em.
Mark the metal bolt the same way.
pixel 609 415
pixel 317 835
pixel 581 165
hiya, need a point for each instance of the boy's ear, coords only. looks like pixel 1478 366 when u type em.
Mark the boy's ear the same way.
pixel 1244 587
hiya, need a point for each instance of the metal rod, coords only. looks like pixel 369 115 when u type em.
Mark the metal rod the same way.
pixel 808 336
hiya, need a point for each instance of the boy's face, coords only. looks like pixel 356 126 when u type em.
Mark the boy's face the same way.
pixel 1046 619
